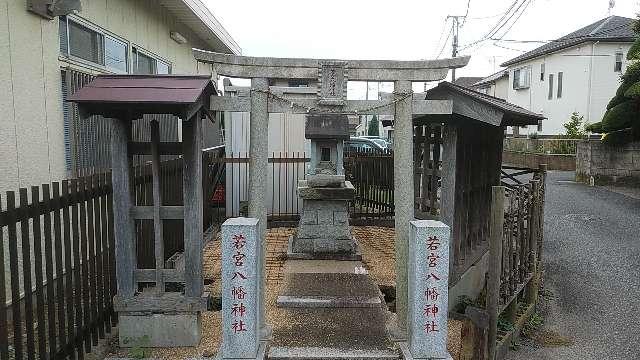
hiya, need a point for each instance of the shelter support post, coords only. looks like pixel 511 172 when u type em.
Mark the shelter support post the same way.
pixel 448 206
pixel 403 190
pixel 258 170
pixel 122 203
pixel 192 192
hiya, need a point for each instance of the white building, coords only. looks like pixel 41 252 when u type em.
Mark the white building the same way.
pixel 578 72
pixel 48 56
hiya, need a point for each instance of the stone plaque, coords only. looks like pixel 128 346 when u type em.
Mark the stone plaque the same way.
pixel 428 289
pixel 332 78
pixel 240 288
pixel 327 126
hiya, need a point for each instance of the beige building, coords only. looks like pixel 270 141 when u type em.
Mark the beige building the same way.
pixel 45 59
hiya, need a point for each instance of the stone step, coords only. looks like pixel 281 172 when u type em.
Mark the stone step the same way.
pixel 322 353
pixel 330 285
pixel 328 301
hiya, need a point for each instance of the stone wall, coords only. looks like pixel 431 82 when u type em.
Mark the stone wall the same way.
pixel 566 162
pixel 607 164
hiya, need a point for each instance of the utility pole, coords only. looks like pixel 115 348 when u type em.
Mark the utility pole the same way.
pixel 456 25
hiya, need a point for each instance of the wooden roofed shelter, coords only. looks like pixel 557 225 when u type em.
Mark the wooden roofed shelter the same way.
pixel 472 141
pixel 169 318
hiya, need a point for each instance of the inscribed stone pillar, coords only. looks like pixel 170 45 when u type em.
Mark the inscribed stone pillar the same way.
pixel 240 297
pixel 428 289
pixel 258 173
pixel 403 193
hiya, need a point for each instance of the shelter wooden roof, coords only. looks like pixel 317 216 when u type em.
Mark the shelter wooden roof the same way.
pixel 482 107
pixel 114 95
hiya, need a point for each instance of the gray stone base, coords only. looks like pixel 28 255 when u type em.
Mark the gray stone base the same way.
pixel 356 255
pixel 159 330
pixel 406 353
pixel 261 355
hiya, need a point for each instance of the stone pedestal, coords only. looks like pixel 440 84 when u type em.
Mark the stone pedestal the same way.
pixel 324 220
pixel 159 330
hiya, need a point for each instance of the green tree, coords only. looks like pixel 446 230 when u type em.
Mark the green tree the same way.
pixel 574 127
pixel 374 126
pixel 621 123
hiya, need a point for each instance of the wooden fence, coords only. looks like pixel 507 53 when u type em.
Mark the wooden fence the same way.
pixel 60 248
pixel 58 280
pixel 515 249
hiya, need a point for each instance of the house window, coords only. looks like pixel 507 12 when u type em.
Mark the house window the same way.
pixel 539 125
pixel 83 41
pixel 559 85
pixel 521 78
pixel 618 65
pixel 550 86
pixel 115 54
pixel 145 63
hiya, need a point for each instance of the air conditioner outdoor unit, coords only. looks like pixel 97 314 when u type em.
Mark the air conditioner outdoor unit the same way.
pixel 49 9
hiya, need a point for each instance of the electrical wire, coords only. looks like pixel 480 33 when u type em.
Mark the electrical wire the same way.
pixel 445 43
pixel 444 28
pixel 517 18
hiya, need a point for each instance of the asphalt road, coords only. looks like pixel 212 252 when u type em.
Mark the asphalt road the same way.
pixel 592 270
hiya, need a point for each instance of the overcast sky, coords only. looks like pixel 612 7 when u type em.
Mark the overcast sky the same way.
pixel 400 30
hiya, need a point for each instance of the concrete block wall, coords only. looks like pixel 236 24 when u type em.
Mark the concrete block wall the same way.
pixel 607 164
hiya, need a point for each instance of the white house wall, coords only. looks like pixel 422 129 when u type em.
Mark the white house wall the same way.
pixel 589 82
pixel 31 126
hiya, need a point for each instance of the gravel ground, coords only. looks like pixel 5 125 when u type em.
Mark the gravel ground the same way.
pixel 376 244
pixel 592 257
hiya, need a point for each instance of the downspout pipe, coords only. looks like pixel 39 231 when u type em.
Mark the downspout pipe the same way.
pixel 589 87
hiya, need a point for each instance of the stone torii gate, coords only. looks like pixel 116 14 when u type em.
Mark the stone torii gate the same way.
pixel 332 98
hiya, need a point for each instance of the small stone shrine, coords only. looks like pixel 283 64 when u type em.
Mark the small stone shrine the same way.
pixel 324 230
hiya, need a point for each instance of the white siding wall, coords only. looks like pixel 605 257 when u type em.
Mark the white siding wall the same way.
pixel 589 81
pixel 31 122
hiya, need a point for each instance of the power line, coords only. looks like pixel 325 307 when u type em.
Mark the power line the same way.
pixel 517 18
pixel 444 28
pixel 490 33
pixel 445 43
pixel 464 19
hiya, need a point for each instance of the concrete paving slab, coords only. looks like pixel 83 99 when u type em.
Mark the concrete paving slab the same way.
pixel 331 284
pixel 339 328
pixel 321 353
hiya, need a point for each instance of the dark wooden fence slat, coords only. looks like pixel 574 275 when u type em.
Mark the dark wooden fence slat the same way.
pixel 112 258
pixel 48 256
pixel 68 269
pixel 39 281
pixel 15 282
pixel 4 333
pixel 86 311
pixel 104 251
pixel 26 274
pixel 59 280
pixel 98 257
pixel 77 273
